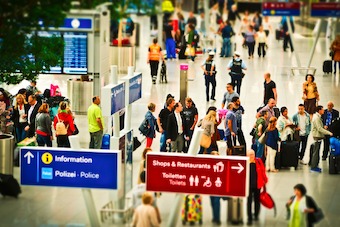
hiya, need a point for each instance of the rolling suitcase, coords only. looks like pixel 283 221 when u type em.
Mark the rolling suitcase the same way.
pixel 289 154
pixel 334 164
pixel 327 66
pixel 106 142
pixel 192 209
pixel 9 186
pixel 235 211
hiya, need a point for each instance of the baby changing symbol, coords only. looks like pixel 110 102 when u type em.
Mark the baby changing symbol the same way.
pixel 218 182
pixel 218 167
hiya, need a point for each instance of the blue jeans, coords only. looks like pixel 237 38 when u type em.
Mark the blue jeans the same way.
pixel 260 149
pixel 20 133
pixel 96 139
pixel 216 208
pixel 226 47
pixel 170 48
pixel 44 140
pixel 163 142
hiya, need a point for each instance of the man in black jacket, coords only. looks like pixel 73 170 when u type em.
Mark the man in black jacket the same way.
pixel 329 115
pixel 176 129
pixel 32 113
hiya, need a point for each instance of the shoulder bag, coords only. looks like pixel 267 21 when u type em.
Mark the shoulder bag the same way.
pixel 263 137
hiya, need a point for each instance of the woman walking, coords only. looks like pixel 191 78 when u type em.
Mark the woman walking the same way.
pixel 262 40
pixel 271 144
pixel 249 38
pixel 43 126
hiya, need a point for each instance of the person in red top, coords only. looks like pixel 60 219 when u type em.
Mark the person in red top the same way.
pixel 257 180
pixel 155 53
pixel 65 117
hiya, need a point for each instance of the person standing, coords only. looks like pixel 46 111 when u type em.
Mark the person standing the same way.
pixel 260 128
pixel 285 125
pixel 208 126
pixel 162 122
pixel 335 47
pixel 96 123
pixel 145 214
pixel 302 120
pixel 269 89
pixel 208 67
pixel 152 124
pixel 43 127
pixel 227 33
pixel 249 38
pixel 271 145
pixel 262 41
pixel 155 53
pixel 19 117
pixel 170 40
pixel 176 131
pixel 257 180
pixel 239 111
pixel 301 207
pixel 231 127
pixel 310 94
pixel 31 115
pixel 329 115
pixel 318 132
pixel 215 202
pixel 190 115
pixel 236 67
pixel 192 19
pixel 66 118
pixel 268 108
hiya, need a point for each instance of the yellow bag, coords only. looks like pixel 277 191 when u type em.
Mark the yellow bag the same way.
pixel 205 141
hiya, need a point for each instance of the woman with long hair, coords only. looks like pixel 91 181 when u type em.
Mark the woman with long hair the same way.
pixel 43 126
pixel 19 117
pixel 249 38
pixel 64 116
pixel 208 126
pixel 271 144
pixel 310 95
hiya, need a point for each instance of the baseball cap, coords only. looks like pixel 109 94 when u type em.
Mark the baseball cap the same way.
pixel 237 53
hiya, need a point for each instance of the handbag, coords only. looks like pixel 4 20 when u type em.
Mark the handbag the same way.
pixel 331 54
pixel 263 138
pixel 76 130
pixel 267 201
pixel 318 215
pixel 296 136
pixel 205 141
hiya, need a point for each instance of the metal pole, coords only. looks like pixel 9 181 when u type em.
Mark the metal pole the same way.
pixel 193 148
pixel 293 43
pixel 160 24
pixel 314 45
pixel 206 16
pixel 87 194
pixel 128 108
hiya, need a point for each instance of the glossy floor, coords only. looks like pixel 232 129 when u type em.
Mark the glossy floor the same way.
pixel 49 206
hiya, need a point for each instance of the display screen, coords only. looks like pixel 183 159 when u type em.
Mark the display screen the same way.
pixel 75 53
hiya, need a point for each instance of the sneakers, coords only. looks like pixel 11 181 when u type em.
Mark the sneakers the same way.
pixel 302 162
pixel 316 170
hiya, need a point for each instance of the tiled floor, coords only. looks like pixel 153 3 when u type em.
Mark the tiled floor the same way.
pixel 48 206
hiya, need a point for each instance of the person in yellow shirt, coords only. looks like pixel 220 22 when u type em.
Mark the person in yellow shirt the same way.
pixel 96 123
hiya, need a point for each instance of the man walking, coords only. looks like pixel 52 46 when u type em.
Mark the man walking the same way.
pixel 318 132
pixel 236 67
pixel 269 89
pixel 329 115
pixel 302 120
pixel 227 33
pixel 155 53
pixel 96 123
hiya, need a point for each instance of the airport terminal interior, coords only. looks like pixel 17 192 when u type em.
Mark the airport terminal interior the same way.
pixel 62 206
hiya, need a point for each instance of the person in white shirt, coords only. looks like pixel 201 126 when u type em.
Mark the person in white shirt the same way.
pixel 285 125
pixel 262 40
pixel 266 25
pixel 302 120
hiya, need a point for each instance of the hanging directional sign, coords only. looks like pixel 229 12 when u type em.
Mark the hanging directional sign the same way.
pixel 69 168
pixel 203 174
pixel 325 9
pixel 281 9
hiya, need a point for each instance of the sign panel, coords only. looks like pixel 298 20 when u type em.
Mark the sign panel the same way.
pixel 117 98
pixel 69 168
pixel 281 9
pixel 325 9
pixel 77 23
pixel 135 87
pixel 75 53
pixel 212 175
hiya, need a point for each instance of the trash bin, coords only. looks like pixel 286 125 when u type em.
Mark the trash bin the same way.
pixel 80 94
pixel 6 153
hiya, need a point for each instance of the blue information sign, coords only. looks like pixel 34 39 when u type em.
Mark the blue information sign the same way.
pixel 117 98
pixel 69 168
pixel 135 91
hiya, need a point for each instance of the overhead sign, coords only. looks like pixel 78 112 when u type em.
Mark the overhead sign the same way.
pixel 325 9
pixel 69 168
pixel 135 86
pixel 116 102
pixel 281 9
pixel 212 175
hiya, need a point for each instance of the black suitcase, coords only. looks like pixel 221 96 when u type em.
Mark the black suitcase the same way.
pixel 278 160
pixel 290 154
pixel 9 186
pixel 239 150
pixel 278 34
pixel 327 66
pixel 334 164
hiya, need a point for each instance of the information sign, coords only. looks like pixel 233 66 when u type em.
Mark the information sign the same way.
pixel 222 176
pixel 325 9
pixel 135 86
pixel 281 9
pixel 69 168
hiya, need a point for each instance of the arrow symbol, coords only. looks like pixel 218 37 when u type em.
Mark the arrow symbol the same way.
pixel 29 155
pixel 239 167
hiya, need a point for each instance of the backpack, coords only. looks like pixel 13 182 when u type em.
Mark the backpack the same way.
pixel 60 127
pixel 144 127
